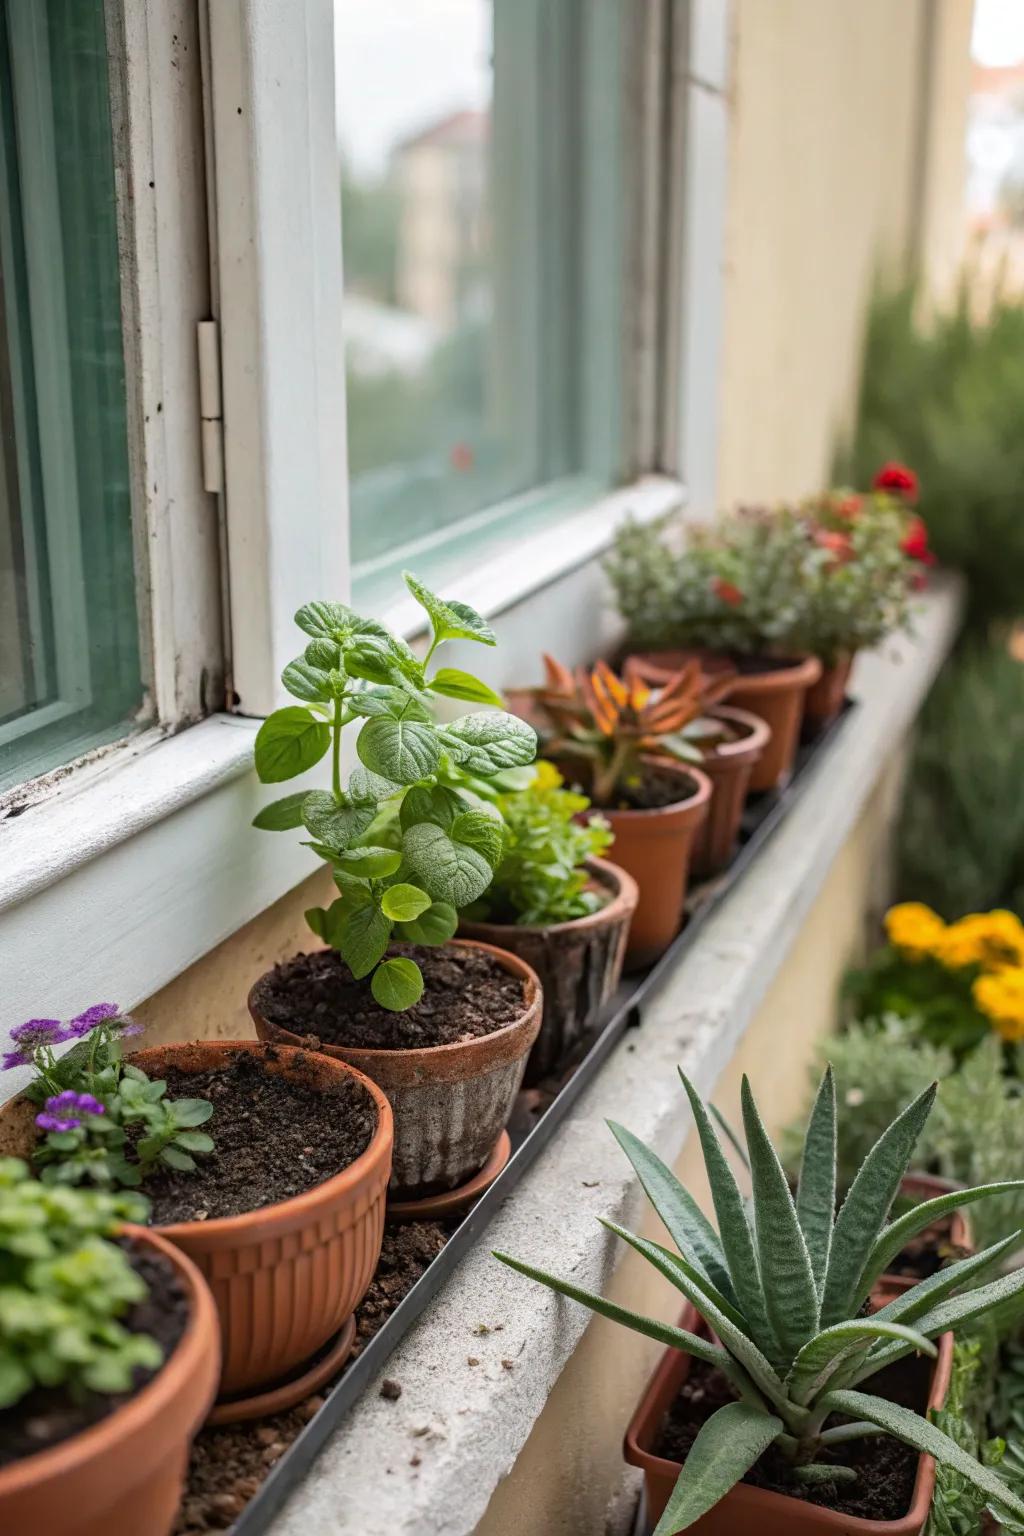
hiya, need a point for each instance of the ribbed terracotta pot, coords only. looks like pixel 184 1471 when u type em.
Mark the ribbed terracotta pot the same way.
pixel 655 847
pixel 126 1473
pixel 826 697
pixel 287 1276
pixel 730 768
pixel 579 963
pixel 757 1510
pixel 450 1102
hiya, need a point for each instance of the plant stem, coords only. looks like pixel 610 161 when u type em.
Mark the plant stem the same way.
pixel 336 751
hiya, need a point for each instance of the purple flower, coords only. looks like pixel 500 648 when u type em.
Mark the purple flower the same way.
pixel 29 1037
pixel 130 1028
pixel 83 1023
pixel 63 1111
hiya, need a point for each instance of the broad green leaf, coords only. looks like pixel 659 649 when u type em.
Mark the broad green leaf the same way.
pixel 392 703
pixel 954 1312
pixel 924 1436
pixel 397 984
pixel 463 685
pixel 288 742
pixel 355 891
pixel 281 815
pixel 324 620
pixel 687 1225
pixel 490 742
pixel 332 824
pixel 449 871
pixel 174 1157
pixel 436 925
pixel 728 1445
pixel 366 788
pixel 816 1191
pixel 450 620
pixel 363 935
pixel 821 1357
pixel 15 1381
pixel 898 1233
pixel 664 1333
pixel 326 921
pixel 194 1141
pixel 791 1296
pixel 325 655
pixel 369 863
pixel 306 682
pixel 479 830
pixel 734 1230
pixel 190 1112
pixel 866 1207
pixel 404 903
pixel 403 750
pixel 370 661
pixel 431 802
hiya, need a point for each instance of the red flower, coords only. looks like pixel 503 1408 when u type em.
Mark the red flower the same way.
pixel 898 479
pixel 915 542
pixel 727 592
pixel 849 507
pixel 837 543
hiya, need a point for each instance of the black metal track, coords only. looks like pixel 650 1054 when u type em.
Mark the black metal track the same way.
pixel 764 814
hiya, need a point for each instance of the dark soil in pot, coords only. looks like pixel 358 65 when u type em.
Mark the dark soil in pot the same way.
pixel 273 1138
pixel 886 1468
pixel 49 1416
pixel 466 994
pixel 229 1463
pixel 927 1253
pixel 657 788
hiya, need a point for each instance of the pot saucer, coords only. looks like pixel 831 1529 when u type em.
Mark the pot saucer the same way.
pixel 452 1202
pixel 275 1399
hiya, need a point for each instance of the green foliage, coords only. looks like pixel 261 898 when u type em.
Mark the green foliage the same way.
pixel 935 999
pixel 415 834
pixel 1006 1423
pixel 957 1504
pixel 947 396
pixel 960 841
pixel 782 1284
pixel 63 1287
pixel 542 878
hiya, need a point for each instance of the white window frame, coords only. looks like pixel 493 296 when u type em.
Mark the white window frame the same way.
pixel 141 859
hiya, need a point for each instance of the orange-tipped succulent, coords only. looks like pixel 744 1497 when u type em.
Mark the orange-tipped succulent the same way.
pixel 613 721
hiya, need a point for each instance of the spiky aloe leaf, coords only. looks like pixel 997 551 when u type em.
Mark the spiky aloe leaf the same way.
pixel 821 1357
pixel 734 1231
pixel 727 1446
pixel 899 1232
pixel 676 1261
pixel 816 1190
pixel 687 1225
pixel 791 1296
pixel 728 1132
pixel 927 1293
pixel 866 1207
pixel 924 1436
pixel 950 1314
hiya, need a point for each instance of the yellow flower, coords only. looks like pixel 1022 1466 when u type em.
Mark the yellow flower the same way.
pixel 1000 996
pixel 990 939
pixel 914 929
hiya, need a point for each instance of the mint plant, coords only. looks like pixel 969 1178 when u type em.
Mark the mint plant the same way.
pixel 412 836
pixel 782 1284
pixel 63 1288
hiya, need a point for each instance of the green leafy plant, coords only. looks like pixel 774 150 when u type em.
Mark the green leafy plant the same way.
pixel 542 877
pixel 1006 1422
pixel 410 838
pixel 957 1504
pixel 783 1284
pixel 63 1287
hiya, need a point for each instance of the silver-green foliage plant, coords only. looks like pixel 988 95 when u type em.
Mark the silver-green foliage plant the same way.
pixel 783 1282
pixel 64 1287
pixel 408 838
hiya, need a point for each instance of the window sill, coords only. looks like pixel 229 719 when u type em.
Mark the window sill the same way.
pixel 469 1425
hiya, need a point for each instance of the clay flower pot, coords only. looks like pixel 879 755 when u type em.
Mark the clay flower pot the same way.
pixel 450 1102
pixel 579 963
pixel 655 847
pixel 746 1508
pixel 125 1473
pixel 825 698
pixel 286 1277
pixel 730 767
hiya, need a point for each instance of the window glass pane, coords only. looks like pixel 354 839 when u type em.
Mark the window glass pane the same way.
pixel 481 205
pixel 69 647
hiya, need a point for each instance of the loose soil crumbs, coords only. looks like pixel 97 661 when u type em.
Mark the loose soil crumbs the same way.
pixel 657 788
pixel 49 1416
pixel 886 1468
pixel 466 994
pixel 273 1137
pixel 229 1464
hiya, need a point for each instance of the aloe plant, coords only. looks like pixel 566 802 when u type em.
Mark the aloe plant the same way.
pixel 782 1284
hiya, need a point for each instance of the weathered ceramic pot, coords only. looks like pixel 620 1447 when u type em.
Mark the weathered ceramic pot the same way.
pixel 826 697
pixel 730 768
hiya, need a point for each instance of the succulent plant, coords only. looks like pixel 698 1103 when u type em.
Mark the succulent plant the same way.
pixel 783 1284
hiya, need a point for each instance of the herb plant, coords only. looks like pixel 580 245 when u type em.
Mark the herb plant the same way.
pixel 409 839
pixel 106 1123
pixel 542 878
pixel 63 1288
pixel 782 1284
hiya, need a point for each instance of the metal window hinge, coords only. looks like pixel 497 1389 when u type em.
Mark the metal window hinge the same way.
pixel 211 421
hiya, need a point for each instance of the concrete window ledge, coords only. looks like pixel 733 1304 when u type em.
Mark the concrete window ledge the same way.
pixel 431 1461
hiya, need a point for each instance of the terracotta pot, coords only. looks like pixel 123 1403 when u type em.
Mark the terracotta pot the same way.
pixel 925 1186
pixel 655 847
pixel 287 1276
pixel 450 1102
pixel 729 767
pixel 825 698
pixel 578 963
pixel 757 1510
pixel 127 1472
